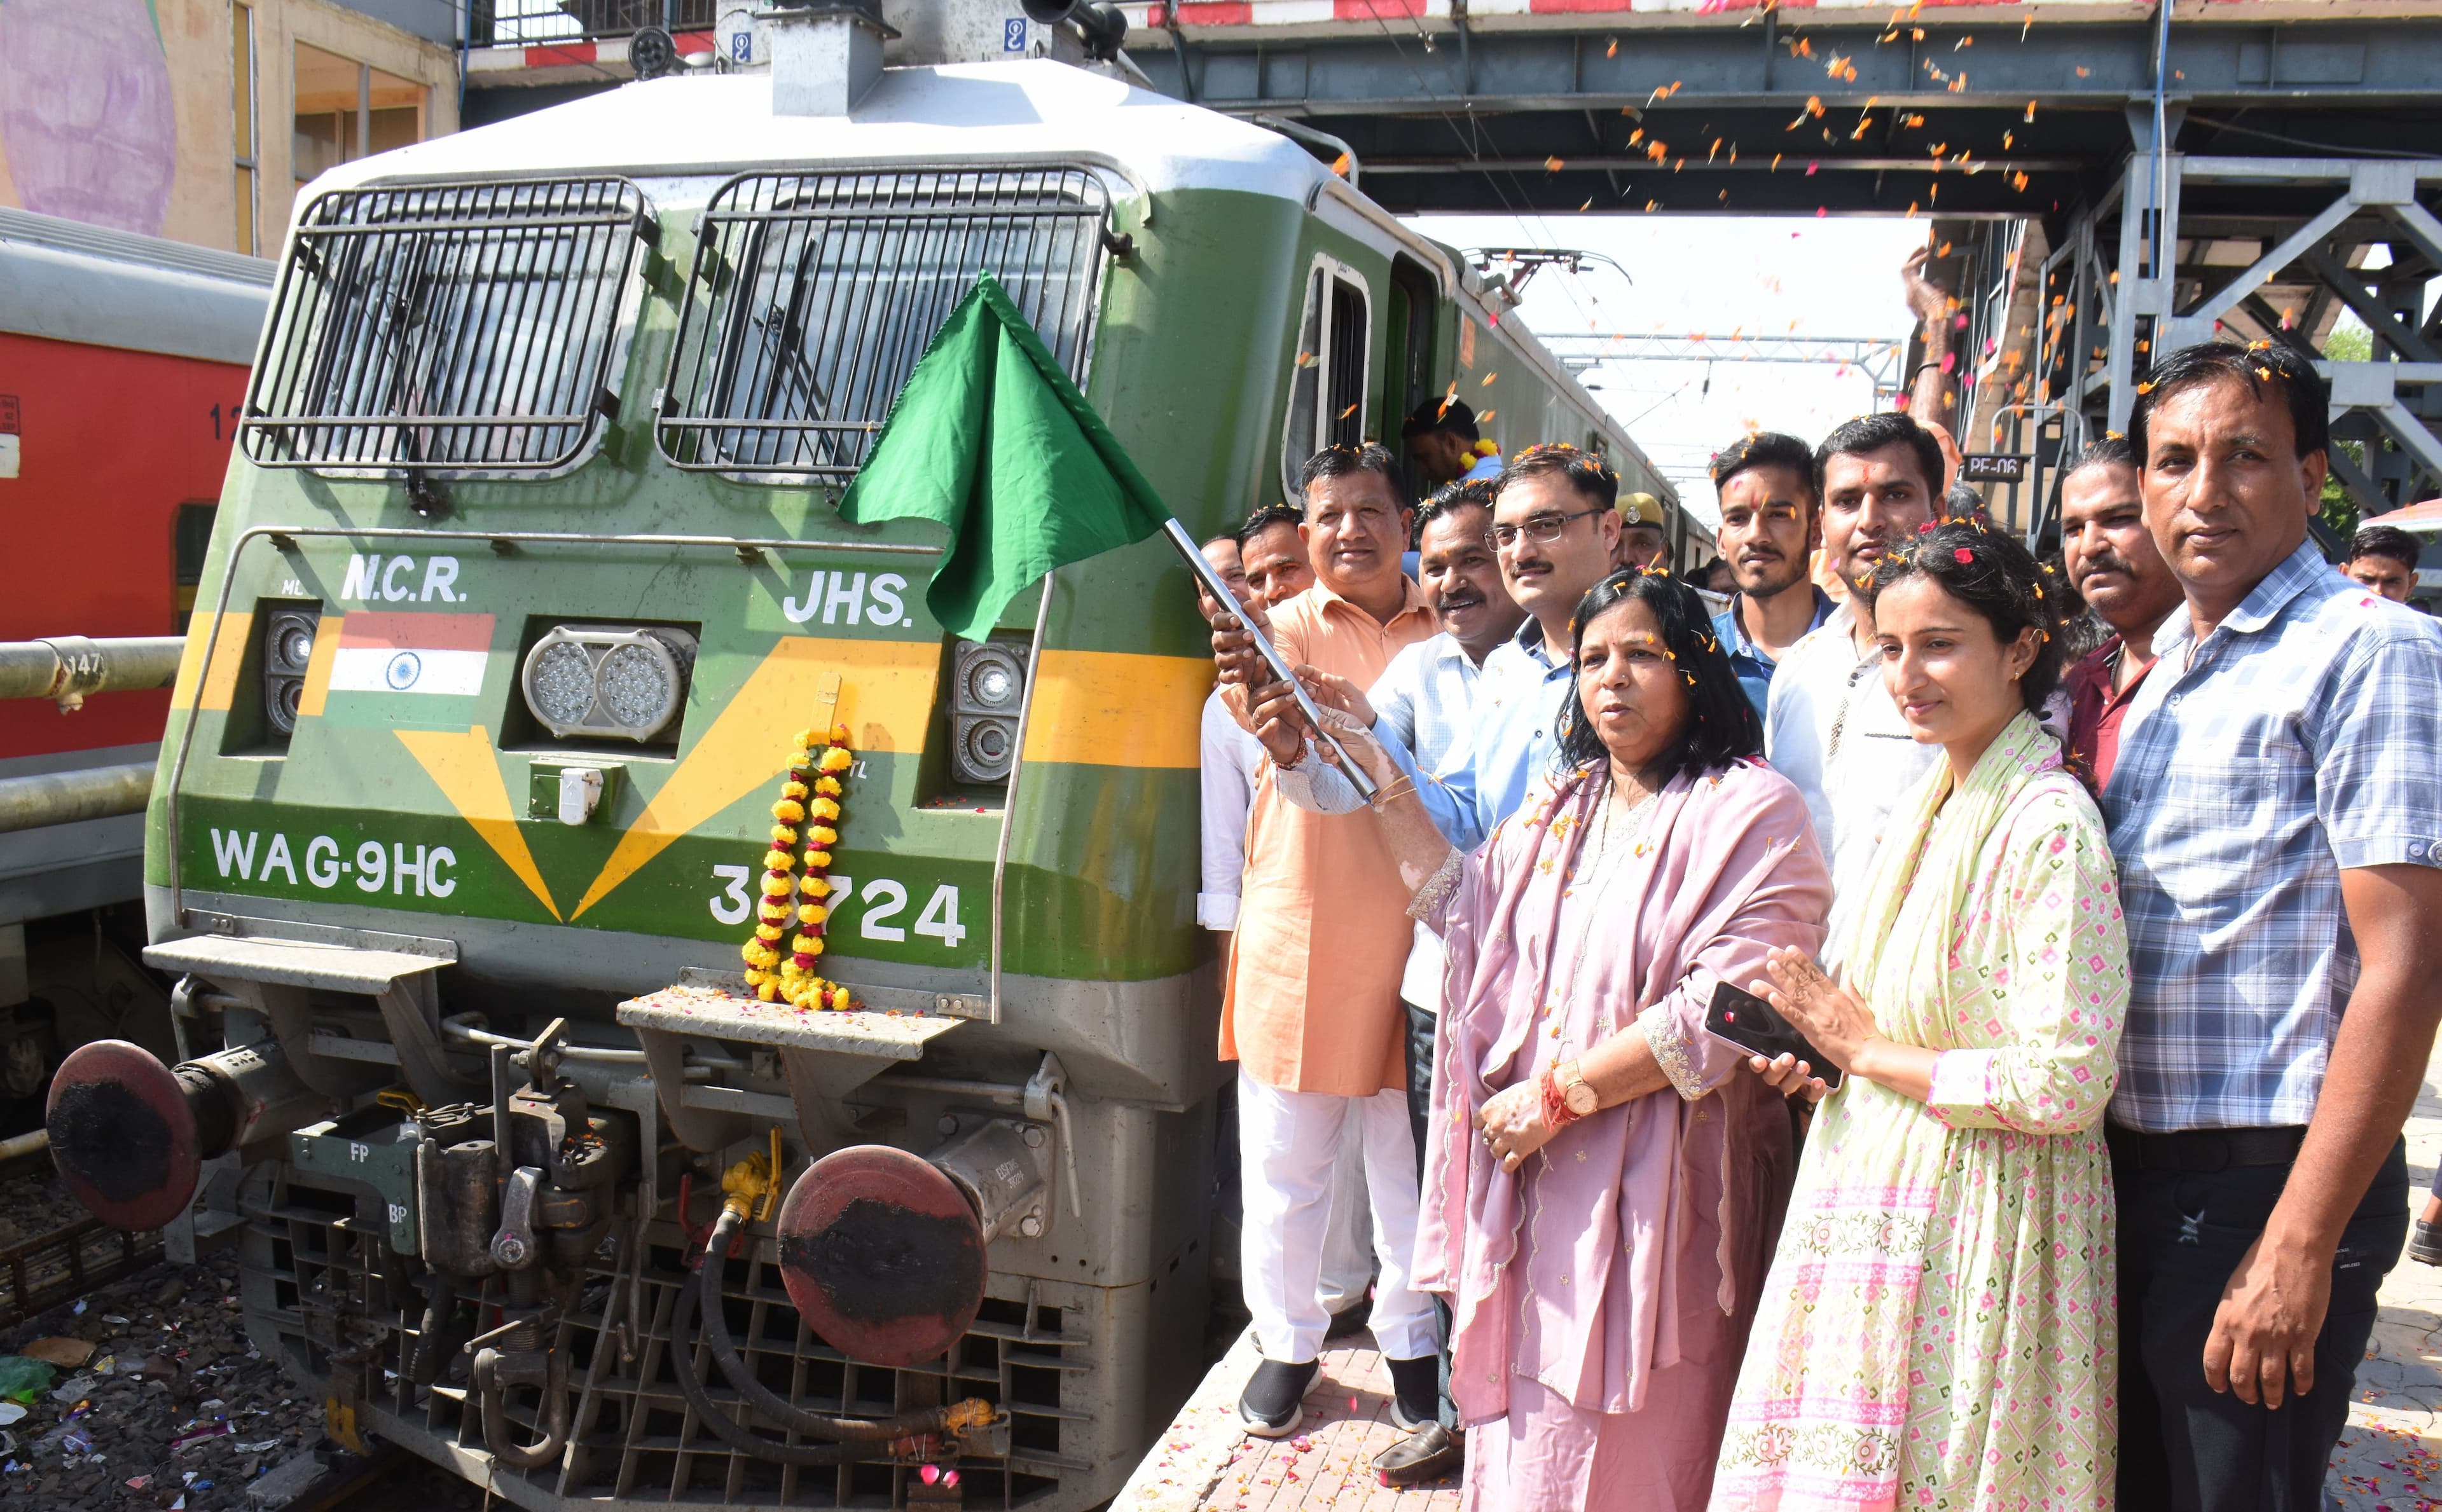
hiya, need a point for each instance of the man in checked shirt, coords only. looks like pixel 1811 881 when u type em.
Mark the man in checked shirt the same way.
pixel 2276 813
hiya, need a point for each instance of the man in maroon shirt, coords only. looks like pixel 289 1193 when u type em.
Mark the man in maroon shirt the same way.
pixel 2112 562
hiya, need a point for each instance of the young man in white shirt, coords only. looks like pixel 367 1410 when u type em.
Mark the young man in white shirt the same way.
pixel 1830 724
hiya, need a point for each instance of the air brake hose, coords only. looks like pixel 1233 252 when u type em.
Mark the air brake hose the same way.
pixel 779 1408
pixel 742 1439
pixel 853 1433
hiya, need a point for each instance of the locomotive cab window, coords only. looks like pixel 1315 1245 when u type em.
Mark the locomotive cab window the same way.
pixel 812 295
pixel 1327 376
pixel 459 330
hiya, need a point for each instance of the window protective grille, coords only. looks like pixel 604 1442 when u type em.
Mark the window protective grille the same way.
pixel 813 295
pixel 455 329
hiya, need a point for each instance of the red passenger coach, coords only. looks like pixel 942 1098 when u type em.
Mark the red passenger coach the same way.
pixel 122 362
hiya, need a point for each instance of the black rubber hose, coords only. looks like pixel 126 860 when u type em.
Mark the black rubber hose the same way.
pixel 770 1403
pixel 744 1440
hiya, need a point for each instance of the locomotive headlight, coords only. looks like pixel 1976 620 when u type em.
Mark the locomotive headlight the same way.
pixel 559 684
pixel 987 690
pixel 587 680
pixel 639 685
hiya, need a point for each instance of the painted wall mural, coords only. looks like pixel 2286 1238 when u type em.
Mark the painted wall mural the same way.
pixel 85 111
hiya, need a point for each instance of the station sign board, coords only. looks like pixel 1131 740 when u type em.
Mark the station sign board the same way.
pixel 1992 468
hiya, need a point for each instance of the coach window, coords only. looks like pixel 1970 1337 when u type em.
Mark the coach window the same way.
pixel 1327 376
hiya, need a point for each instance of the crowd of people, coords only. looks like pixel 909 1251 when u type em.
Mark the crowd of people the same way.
pixel 1924 1028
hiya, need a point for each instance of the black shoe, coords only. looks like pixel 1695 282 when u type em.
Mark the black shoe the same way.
pixel 1415 1391
pixel 1427 1454
pixel 2425 1243
pixel 1273 1400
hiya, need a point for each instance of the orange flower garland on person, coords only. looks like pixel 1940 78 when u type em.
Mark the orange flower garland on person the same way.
pixel 810 798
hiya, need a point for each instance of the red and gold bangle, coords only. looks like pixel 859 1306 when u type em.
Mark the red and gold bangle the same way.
pixel 1556 1112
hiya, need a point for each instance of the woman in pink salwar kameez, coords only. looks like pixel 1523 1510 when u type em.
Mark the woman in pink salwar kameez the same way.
pixel 1605 1181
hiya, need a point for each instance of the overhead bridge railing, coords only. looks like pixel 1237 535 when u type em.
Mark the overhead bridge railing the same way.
pixel 64 668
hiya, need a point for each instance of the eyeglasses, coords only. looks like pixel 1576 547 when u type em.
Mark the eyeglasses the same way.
pixel 1542 530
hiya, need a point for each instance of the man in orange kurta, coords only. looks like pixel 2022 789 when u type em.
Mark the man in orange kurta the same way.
pixel 1311 1012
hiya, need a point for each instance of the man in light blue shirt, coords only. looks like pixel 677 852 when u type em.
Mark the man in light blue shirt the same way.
pixel 2276 815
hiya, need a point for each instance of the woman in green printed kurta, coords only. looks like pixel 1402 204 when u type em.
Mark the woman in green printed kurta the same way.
pixel 1939 1327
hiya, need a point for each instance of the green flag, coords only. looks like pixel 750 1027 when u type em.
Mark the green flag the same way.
pixel 990 437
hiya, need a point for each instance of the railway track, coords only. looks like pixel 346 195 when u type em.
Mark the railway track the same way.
pixel 65 1261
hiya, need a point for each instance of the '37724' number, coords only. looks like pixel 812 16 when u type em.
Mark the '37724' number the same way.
pixel 885 900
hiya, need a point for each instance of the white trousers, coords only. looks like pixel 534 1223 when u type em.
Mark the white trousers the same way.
pixel 1348 1238
pixel 1288 1143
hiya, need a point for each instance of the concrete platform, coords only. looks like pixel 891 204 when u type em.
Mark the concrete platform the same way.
pixel 2389 1460
pixel 1206 1460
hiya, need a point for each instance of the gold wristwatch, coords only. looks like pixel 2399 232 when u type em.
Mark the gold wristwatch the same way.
pixel 1574 1090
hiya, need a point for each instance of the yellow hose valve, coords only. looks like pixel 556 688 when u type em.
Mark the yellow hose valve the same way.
pixel 752 1185
pixel 972 1413
pixel 746 1184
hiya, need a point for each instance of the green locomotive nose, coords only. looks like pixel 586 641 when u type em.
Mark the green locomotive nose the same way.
pixel 476 805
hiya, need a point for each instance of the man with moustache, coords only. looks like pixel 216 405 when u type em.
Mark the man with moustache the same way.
pixel 2109 558
pixel 2276 815
pixel 1830 724
pixel 1311 1006
pixel 1770 526
pixel 1272 545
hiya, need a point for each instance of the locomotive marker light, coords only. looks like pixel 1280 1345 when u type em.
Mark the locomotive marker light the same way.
pixel 987 688
pixel 623 684
pixel 288 650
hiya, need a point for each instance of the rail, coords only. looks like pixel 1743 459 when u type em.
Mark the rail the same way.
pixel 66 667
pixel 64 797
pixel 63 1264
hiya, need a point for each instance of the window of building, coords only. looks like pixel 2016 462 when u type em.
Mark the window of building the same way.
pixel 347 110
pixel 241 122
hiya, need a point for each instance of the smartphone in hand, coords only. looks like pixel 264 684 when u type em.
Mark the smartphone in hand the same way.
pixel 1751 1024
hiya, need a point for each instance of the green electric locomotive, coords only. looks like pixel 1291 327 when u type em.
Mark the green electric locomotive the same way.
pixel 524 581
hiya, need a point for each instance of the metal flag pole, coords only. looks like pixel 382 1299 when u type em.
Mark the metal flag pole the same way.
pixel 1193 556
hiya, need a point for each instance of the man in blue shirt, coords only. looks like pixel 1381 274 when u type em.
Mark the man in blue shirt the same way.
pixel 1771 524
pixel 2276 815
